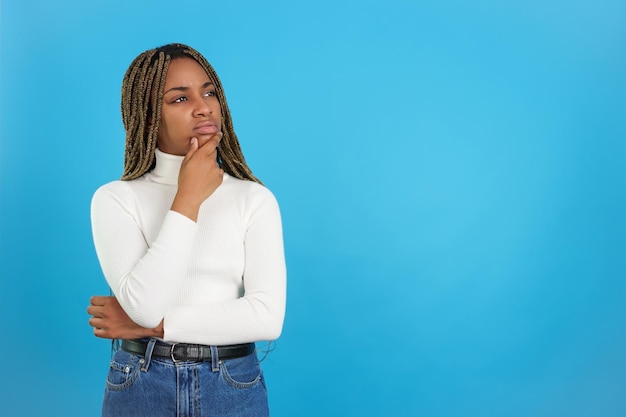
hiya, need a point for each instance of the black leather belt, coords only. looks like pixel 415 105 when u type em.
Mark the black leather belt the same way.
pixel 182 352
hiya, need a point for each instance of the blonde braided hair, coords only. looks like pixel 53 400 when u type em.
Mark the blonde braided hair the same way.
pixel 142 98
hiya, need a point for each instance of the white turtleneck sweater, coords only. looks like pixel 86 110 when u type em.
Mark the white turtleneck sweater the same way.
pixel 219 281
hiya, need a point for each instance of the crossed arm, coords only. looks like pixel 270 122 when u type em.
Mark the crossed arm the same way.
pixel 199 177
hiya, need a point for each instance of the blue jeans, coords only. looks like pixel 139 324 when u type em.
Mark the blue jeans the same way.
pixel 158 387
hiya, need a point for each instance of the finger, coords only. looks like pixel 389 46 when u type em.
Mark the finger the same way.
pixel 96 311
pixel 96 322
pixel 99 300
pixel 102 333
pixel 193 147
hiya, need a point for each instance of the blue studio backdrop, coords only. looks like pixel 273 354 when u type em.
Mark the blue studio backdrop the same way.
pixel 451 177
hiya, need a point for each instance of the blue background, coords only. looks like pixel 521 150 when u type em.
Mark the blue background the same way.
pixel 451 176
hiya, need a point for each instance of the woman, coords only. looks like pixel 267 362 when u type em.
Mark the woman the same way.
pixel 190 243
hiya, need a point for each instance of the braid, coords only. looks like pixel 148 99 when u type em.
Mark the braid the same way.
pixel 142 100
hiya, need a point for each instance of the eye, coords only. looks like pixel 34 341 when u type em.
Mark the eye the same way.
pixel 179 99
pixel 210 94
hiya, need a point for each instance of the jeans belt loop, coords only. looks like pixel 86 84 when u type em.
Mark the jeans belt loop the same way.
pixel 148 354
pixel 214 359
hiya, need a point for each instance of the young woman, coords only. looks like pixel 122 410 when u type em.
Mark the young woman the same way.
pixel 190 243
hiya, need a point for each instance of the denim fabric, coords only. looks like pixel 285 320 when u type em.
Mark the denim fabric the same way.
pixel 157 387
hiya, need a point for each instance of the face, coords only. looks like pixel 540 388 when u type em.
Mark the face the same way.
pixel 190 107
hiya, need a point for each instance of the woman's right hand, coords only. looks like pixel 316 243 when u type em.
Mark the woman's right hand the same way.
pixel 110 321
pixel 199 176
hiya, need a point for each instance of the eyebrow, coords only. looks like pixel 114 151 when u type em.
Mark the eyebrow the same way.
pixel 205 85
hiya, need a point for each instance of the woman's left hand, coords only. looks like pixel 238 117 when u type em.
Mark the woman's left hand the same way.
pixel 110 321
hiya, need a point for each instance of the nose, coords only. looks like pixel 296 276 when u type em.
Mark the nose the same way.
pixel 201 107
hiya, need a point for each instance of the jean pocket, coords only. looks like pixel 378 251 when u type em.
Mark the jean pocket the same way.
pixel 123 370
pixel 243 372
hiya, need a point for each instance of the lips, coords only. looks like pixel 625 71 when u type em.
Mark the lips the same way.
pixel 205 128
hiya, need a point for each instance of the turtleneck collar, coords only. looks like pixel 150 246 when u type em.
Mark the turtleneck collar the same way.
pixel 167 167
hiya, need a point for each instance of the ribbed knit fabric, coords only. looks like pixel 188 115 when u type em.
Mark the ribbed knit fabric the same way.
pixel 219 281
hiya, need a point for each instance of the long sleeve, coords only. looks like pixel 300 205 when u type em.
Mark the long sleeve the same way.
pixel 259 313
pixel 144 275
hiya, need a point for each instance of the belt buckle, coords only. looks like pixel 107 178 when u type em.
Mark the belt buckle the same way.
pixel 172 353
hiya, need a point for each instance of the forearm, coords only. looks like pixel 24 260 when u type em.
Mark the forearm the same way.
pixel 247 319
